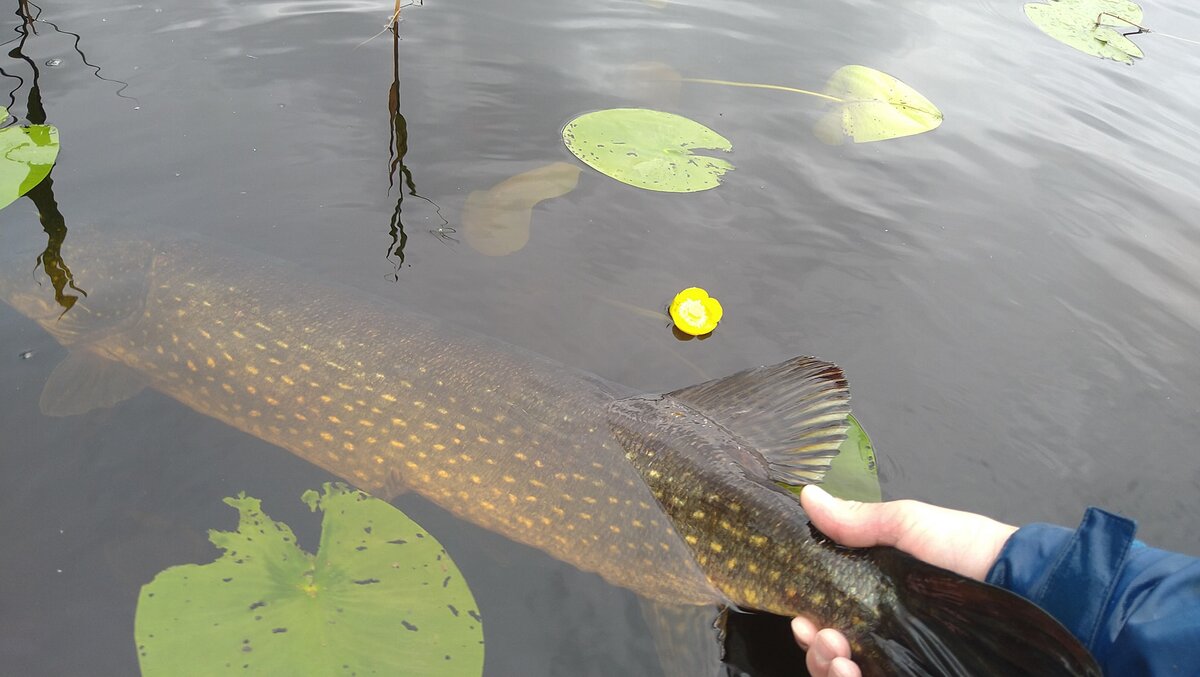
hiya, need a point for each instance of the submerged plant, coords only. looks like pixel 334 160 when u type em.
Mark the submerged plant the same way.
pixel 380 596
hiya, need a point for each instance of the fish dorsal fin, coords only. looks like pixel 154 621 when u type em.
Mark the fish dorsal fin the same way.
pixel 85 381
pixel 794 414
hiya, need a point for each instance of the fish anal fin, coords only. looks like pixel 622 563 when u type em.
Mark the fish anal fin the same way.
pixel 793 414
pixel 86 381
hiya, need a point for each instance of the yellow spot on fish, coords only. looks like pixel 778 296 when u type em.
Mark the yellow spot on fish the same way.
pixel 654 474
pixel 509 479
pixel 414 439
pixel 239 334
pixel 443 474
pixel 476 479
pixel 398 445
pixel 326 399
pixel 430 425
pixel 365 423
pixel 752 567
pixel 751 596
pixel 304 367
pixel 389 398
pixel 716 547
pixel 442 447
pixel 412 465
pixel 210 362
pixel 252 390
pixel 443 411
pixel 774 575
pixel 227 388
pixel 758 541
pixel 538 484
pixel 399 423
pixel 482 440
pixel 486 505
pixel 614 528
pixel 589 500
pixel 699 515
pixel 335 420
pixel 300 416
pixel 459 426
pixel 205 334
pixel 281 344
pixel 262 326
pixel 191 365
pixel 348 446
pixel 328 437
pixel 345 386
pixel 288 380
pixel 335 365
pixel 254 413
pixel 690 539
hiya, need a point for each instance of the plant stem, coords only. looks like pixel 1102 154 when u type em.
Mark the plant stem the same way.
pixel 755 85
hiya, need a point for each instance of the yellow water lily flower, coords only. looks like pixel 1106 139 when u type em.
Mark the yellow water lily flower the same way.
pixel 695 312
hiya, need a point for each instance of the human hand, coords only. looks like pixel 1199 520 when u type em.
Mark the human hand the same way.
pixel 962 542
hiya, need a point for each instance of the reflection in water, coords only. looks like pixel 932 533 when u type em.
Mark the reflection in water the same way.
pixel 51 260
pixel 53 222
pixel 397 170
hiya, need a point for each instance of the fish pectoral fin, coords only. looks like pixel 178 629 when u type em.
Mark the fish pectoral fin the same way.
pixel 688 639
pixel 794 414
pixel 85 381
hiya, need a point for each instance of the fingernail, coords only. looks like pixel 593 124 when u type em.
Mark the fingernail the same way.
pixel 816 493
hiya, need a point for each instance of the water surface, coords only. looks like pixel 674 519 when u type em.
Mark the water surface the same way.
pixel 1013 296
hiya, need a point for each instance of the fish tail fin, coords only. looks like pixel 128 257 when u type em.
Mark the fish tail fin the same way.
pixel 946 624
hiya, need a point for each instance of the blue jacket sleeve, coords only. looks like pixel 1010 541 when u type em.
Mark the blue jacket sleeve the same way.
pixel 1136 608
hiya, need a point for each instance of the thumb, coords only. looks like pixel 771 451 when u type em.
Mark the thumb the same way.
pixel 850 523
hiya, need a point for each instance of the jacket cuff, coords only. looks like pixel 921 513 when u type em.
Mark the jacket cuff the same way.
pixel 1070 574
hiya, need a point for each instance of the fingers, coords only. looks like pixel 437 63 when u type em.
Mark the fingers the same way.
pixel 850 523
pixel 829 656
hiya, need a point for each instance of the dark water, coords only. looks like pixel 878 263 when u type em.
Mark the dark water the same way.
pixel 1014 296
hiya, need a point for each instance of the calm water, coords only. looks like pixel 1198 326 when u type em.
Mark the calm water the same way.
pixel 1014 296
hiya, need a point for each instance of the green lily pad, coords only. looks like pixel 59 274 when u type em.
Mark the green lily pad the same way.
pixel 27 155
pixel 873 106
pixel 853 473
pixel 1087 25
pixel 380 597
pixel 648 149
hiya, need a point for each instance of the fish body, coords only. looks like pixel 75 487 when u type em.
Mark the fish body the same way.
pixel 672 496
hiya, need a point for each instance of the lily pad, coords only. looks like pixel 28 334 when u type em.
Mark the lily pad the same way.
pixel 380 597
pixel 648 149
pixel 496 221
pixel 1088 26
pixel 873 106
pixel 27 155
pixel 853 473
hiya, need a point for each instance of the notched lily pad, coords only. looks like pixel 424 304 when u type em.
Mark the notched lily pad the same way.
pixel 1090 26
pixel 873 106
pixel 648 149
pixel 381 596
pixel 27 155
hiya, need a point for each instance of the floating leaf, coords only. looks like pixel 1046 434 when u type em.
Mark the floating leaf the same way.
pixel 853 473
pixel 27 155
pixel 1087 25
pixel 381 596
pixel 648 149
pixel 496 221
pixel 873 106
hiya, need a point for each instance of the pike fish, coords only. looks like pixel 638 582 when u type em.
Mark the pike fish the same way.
pixel 673 496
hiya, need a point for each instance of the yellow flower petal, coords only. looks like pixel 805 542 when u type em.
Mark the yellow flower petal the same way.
pixel 695 312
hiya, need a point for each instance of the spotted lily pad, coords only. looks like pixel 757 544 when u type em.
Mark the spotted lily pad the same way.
pixel 27 155
pixel 853 473
pixel 1090 26
pixel 380 597
pixel 648 149
pixel 871 105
